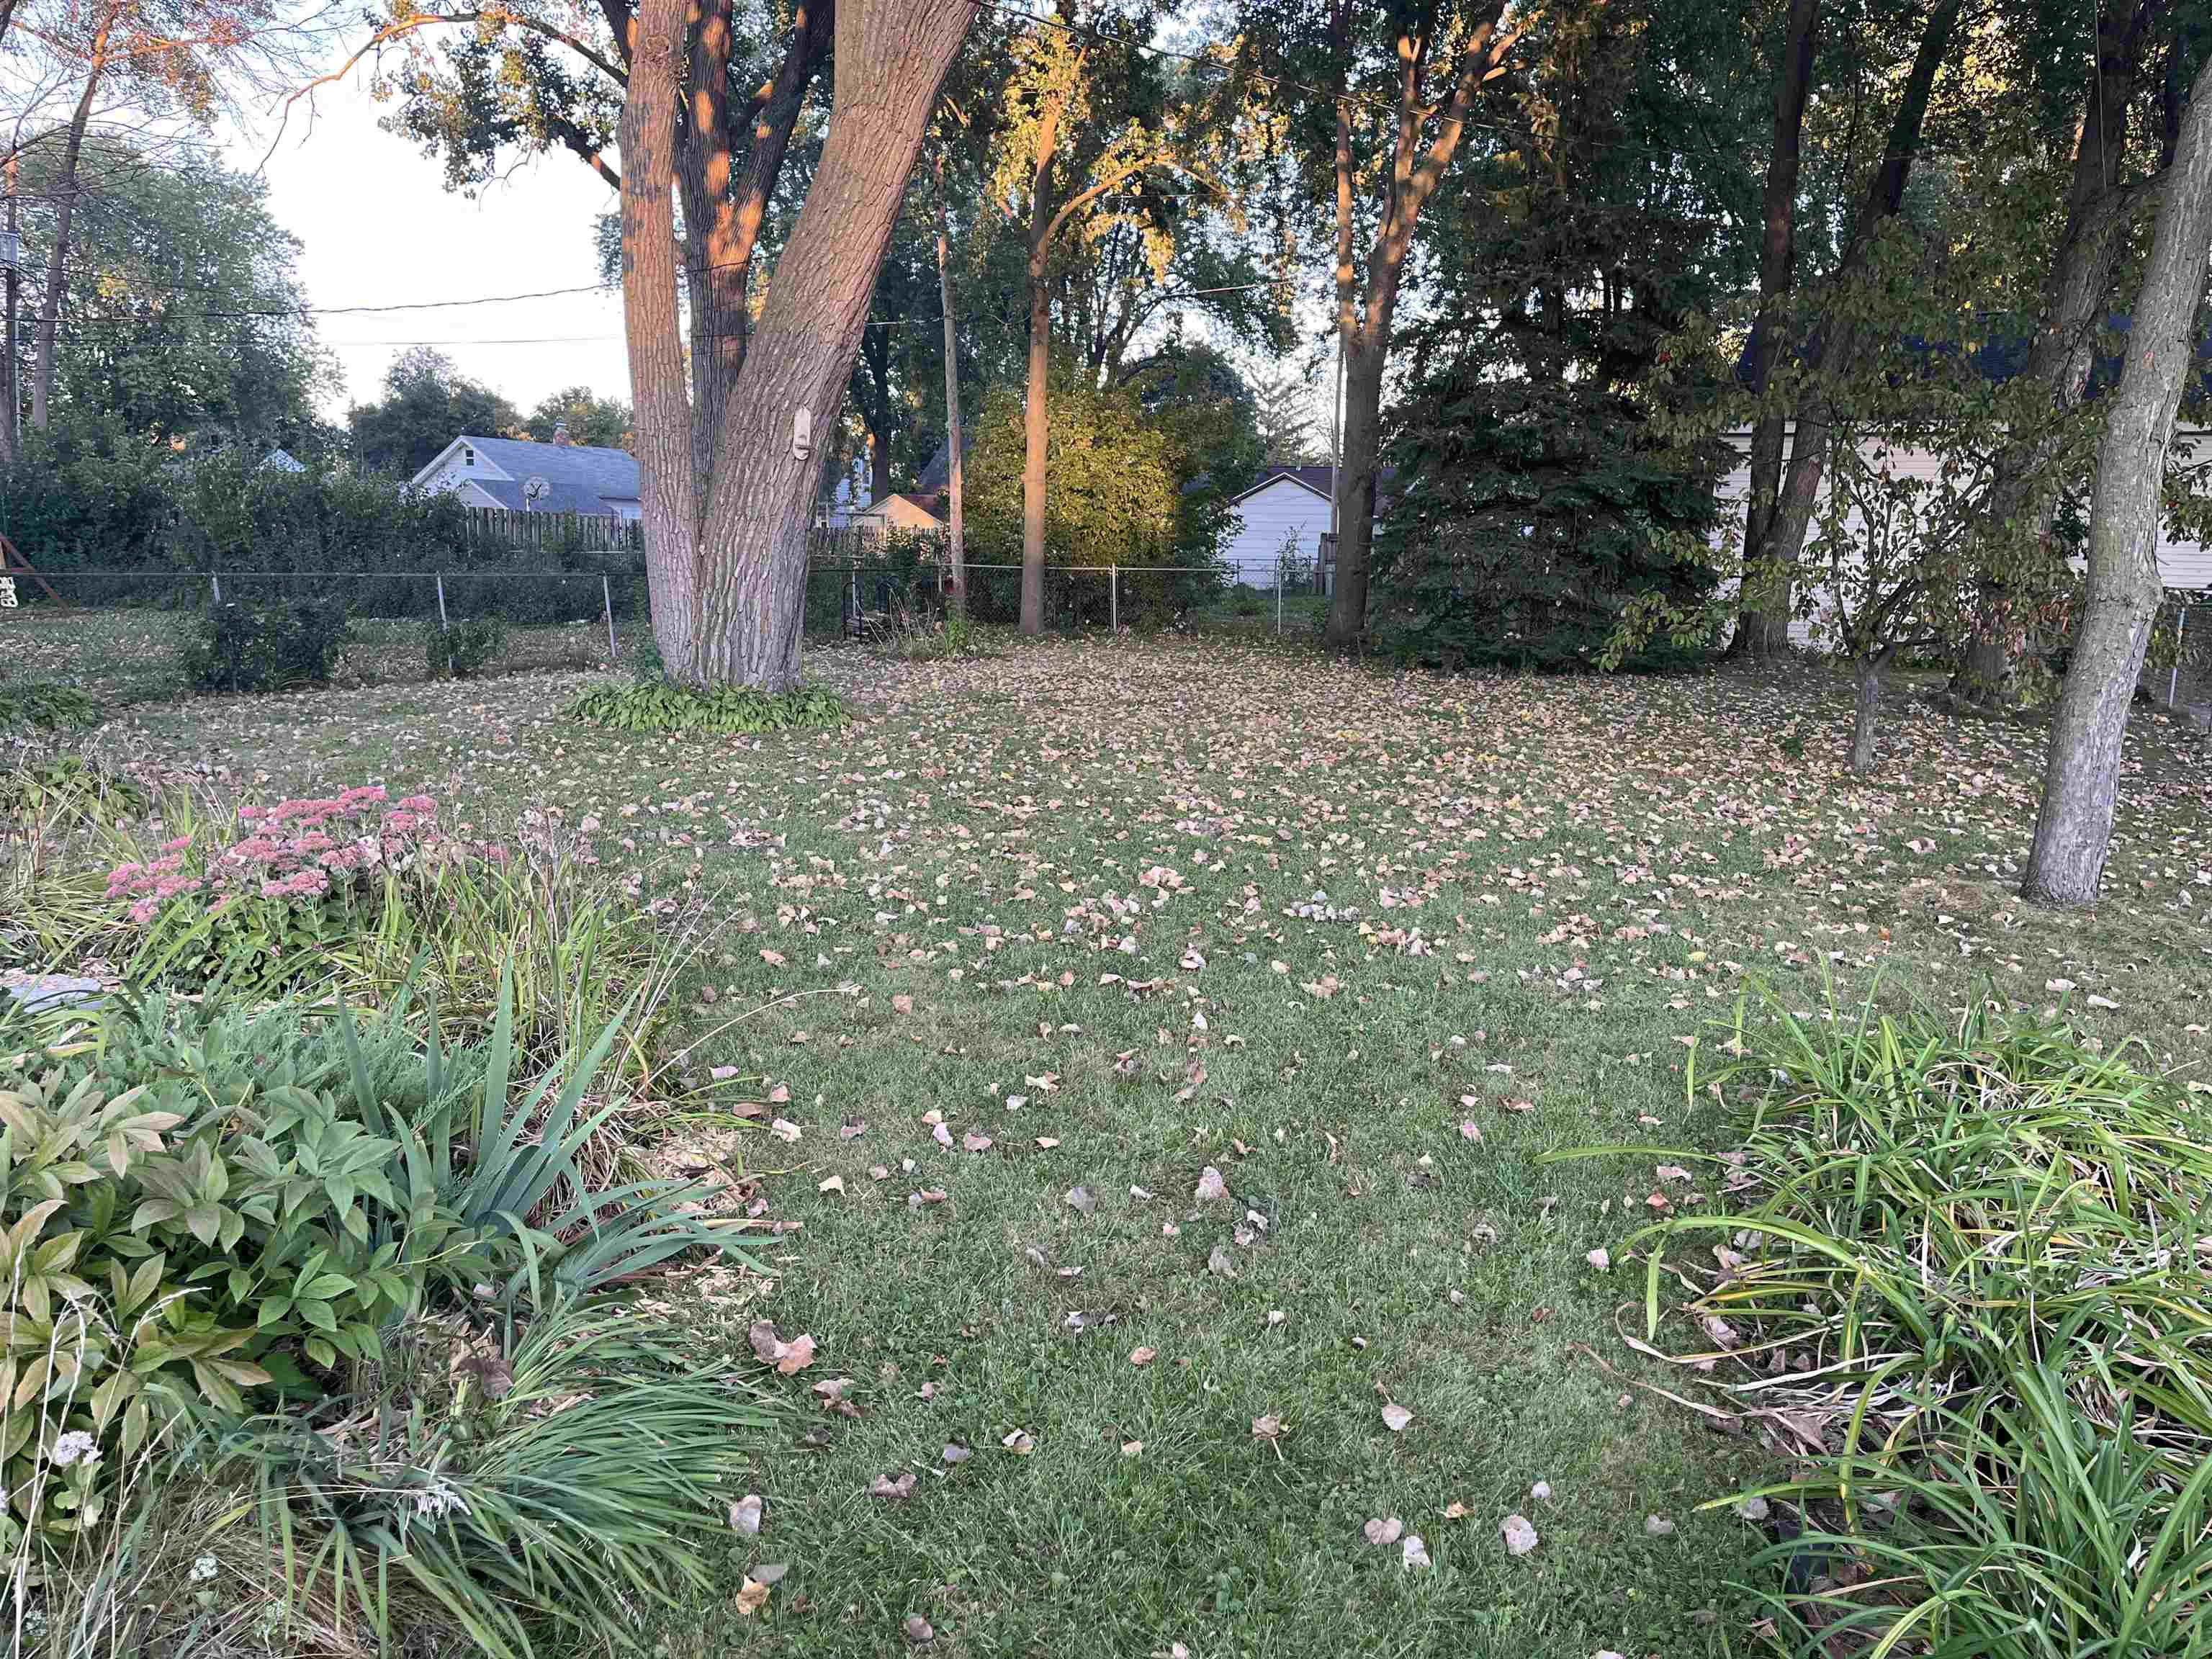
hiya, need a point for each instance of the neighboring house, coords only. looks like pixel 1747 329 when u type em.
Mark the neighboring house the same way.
pixel 915 511
pixel 279 461
pixel 523 476
pixel 1288 505
pixel 2182 563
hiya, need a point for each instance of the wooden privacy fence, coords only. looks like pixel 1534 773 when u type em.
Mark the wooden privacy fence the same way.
pixel 582 531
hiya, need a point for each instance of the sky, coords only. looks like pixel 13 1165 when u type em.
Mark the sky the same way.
pixel 379 227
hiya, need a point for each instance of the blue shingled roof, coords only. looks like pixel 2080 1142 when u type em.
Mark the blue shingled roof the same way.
pixel 581 479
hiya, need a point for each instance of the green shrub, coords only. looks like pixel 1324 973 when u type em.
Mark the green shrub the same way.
pixel 239 1220
pixel 546 1491
pixel 1969 1264
pixel 664 706
pixel 273 645
pixel 63 787
pixel 461 650
pixel 45 705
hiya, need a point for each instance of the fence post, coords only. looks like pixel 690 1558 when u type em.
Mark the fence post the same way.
pixel 2173 678
pixel 217 580
pixel 607 598
pixel 1114 598
pixel 1279 599
pixel 442 626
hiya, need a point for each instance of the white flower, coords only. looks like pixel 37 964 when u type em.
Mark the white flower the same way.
pixel 203 1568
pixel 437 1498
pixel 75 1445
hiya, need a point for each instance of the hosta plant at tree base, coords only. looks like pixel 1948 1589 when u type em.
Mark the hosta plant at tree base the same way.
pixel 665 706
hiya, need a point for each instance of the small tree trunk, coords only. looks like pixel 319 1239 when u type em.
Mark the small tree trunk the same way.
pixel 1355 483
pixel 1763 632
pixel 1036 431
pixel 2022 501
pixel 880 464
pixel 50 308
pixel 2081 785
pixel 1867 681
pixel 955 551
pixel 1809 450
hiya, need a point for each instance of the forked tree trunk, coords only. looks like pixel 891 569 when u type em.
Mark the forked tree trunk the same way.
pixel 956 552
pixel 1763 632
pixel 728 579
pixel 2080 784
pixel 2023 502
pixel 1809 450
pixel 1364 330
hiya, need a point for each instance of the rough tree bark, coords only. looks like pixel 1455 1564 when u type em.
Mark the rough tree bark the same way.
pixel 1763 632
pixel 956 552
pixel 1775 559
pixel 726 551
pixel 2022 501
pixel 1866 675
pixel 1363 316
pixel 2080 782
pixel 64 189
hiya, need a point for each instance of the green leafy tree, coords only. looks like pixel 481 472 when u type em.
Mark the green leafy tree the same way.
pixel 1116 489
pixel 426 404
pixel 1283 407
pixel 1543 504
pixel 602 422
pixel 185 313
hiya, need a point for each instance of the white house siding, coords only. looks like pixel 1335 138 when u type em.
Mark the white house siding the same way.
pixel 1269 514
pixel 2181 564
pixel 451 475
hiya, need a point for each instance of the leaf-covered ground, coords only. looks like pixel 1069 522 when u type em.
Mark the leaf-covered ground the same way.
pixel 1113 915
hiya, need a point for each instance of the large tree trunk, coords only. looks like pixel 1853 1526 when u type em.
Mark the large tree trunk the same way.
pixel 956 553
pixel 892 55
pixel 727 554
pixel 65 187
pixel 2080 784
pixel 2022 500
pixel 1037 432
pixel 1777 556
pixel 668 483
pixel 1762 633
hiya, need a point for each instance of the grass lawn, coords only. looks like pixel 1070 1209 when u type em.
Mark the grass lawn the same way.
pixel 1369 946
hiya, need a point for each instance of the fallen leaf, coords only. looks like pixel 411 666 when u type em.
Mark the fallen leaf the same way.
pixel 1020 1443
pixel 918 1630
pixel 884 1487
pixel 1383 1531
pixel 746 1516
pixel 956 1454
pixel 1657 1525
pixel 1220 1261
pixel 1416 1552
pixel 1396 1416
pixel 785 1130
pixel 796 1357
pixel 1143 1356
pixel 901 1004
pixel 1600 1259
pixel 1131 1447
pixel 1268 1428
pixel 1078 1199
pixel 1047 1141
pixel 774 958
pixel 833 1184
pixel 1520 1537
pixel 752 1597
pixel 1211 1186
pixel 975 1143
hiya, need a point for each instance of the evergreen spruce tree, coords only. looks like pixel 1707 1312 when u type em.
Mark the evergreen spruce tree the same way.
pixel 1537 500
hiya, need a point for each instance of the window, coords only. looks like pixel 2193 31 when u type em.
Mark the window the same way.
pixel 468 455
